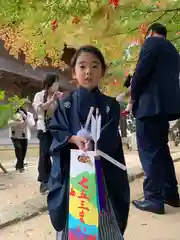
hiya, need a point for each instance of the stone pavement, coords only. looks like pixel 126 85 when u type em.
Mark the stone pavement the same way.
pixel 20 198
pixel 141 225
pixel 18 188
pixel 134 165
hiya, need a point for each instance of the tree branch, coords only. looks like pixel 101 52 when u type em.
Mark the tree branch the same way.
pixel 150 11
pixel 52 3
pixel 174 16
pixel 159 10
pixel 136 28
pixel 175 39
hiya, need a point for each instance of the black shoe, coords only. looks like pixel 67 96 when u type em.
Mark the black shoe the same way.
pixel 148 206
pixel 174 202
pixel 17 169
pixel 21 170
pixel 43 188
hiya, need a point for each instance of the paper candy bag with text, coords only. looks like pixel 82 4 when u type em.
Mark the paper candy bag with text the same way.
pixel 83 200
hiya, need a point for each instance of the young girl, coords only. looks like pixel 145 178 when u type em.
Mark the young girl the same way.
pixel 88 67
pixel 20 132
pixel 45 103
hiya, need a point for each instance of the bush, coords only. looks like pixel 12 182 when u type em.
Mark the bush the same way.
pixel 8 109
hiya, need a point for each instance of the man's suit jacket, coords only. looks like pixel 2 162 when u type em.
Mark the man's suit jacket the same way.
pixel 155 86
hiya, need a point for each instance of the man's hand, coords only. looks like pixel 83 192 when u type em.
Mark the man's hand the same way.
pixel 127 110
pixel 129 107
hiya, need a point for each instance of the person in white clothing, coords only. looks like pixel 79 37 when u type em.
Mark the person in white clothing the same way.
pixel 20 132
pixel 44 104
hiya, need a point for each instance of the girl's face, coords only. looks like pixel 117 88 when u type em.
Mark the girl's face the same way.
pixel 88 70
pixel 55 87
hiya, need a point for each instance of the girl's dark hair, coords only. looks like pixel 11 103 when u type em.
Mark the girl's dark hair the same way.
pixel 49 80
pixel 23 110
pixel 127 82
pixel 89 49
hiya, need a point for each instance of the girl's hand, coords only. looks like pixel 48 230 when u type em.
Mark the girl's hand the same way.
pixel 57 95
pixel 60 95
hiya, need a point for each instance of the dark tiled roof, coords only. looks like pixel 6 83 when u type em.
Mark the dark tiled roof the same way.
pixel 10 64
pixel 16 68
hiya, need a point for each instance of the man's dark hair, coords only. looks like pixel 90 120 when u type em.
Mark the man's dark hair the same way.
pixel 127 82
pixel 158 28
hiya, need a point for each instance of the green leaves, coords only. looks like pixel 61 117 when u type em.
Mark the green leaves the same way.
pixel 2 95
pixel 8 109
pixel 85 22
pixel 6 113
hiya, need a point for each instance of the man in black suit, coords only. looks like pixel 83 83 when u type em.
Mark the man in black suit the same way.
pixel 155 95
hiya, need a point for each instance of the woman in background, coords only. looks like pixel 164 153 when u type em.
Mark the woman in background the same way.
pixel 20 133
pixel 44 105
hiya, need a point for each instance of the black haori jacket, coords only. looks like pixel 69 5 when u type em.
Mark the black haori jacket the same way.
pixel 70 114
